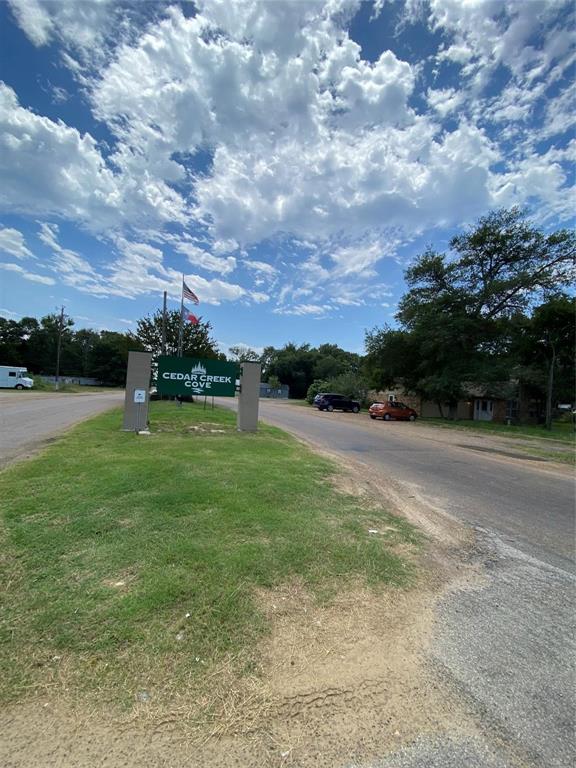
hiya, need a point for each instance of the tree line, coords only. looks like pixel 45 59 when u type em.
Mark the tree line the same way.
pixel 102 355
pixel 496 311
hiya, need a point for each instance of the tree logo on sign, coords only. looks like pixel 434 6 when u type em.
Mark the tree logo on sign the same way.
pixel 198 379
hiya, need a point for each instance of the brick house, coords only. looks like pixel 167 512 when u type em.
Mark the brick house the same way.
pixel 500 403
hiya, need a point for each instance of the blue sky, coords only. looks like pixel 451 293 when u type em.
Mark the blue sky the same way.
pixel 291 158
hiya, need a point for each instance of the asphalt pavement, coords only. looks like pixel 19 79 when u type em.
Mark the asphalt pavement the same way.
pixel 29 419
pixel 504 644
pixel 527 501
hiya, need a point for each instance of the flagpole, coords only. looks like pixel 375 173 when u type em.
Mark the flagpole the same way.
pixel 181 330
pixel 164 325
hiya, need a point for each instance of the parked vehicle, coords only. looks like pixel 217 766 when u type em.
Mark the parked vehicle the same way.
pixel 13 377
pixel 320 395
pixel 391 410
pixel 328 401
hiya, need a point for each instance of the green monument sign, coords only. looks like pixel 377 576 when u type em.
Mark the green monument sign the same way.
pixel 192 376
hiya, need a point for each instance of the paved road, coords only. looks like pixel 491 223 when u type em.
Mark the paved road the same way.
pixel 27 419
pixel 487 483
pixel 506 647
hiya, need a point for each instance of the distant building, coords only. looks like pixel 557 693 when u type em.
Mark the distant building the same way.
pixel 83 381
pixel 279 393
pixel 504 403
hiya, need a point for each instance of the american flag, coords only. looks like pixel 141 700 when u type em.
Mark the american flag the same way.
pixel 187 293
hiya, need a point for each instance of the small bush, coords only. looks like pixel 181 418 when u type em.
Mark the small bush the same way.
pixel 315 388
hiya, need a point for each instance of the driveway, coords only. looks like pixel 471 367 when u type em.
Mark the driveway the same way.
pixel 29 419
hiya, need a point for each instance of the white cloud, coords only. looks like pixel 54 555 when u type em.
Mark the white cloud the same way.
pixel 73 269
pixel 201 258
pixel 258 297
pixel 89 29
pixel 559 115
pixel 138 269
pixel 352 183
pixel 34 19
pixel 444 101
pixel 308 143
pixel 12 242
pixel 70 176
pixel 488 33
pixel 541 173
pixel 32 276
pixel 359 259
pixel 303 309
pixel 8 313
pixel 261 267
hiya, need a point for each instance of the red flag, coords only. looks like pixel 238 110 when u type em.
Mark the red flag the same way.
pixel 189 317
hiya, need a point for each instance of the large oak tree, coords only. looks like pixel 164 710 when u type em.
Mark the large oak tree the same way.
pixel 456 318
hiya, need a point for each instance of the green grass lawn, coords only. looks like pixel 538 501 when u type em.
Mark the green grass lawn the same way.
pixel 128 558
pixel 44 386
pixel 560 430
pixel 556 444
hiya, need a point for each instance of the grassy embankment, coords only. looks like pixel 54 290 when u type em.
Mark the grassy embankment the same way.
pixel 131 562
pixel 556 444
pixel 45 386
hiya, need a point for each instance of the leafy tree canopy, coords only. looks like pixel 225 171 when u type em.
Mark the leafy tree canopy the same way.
pixel 196 339
pixel 460 318
pixel 244 354
pixel 33 343
pixel 299 366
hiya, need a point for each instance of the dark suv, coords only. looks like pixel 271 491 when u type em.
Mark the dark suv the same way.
pixel 326 401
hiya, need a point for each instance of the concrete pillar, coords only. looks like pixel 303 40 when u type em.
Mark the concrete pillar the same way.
pixel 248 398
pixel 137 391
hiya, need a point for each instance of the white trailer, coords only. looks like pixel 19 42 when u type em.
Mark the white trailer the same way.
pixel 14 377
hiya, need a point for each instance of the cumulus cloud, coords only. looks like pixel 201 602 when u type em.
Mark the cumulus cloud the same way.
pixel 305 139
pixel 12 242
pixel 49 168
pixel 198 257
pixel 69 175
pixel 87 30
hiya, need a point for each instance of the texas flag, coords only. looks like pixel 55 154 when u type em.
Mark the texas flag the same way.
pixel 189 317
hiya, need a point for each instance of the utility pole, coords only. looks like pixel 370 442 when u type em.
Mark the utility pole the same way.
pixel 59 348
pixel 164 325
